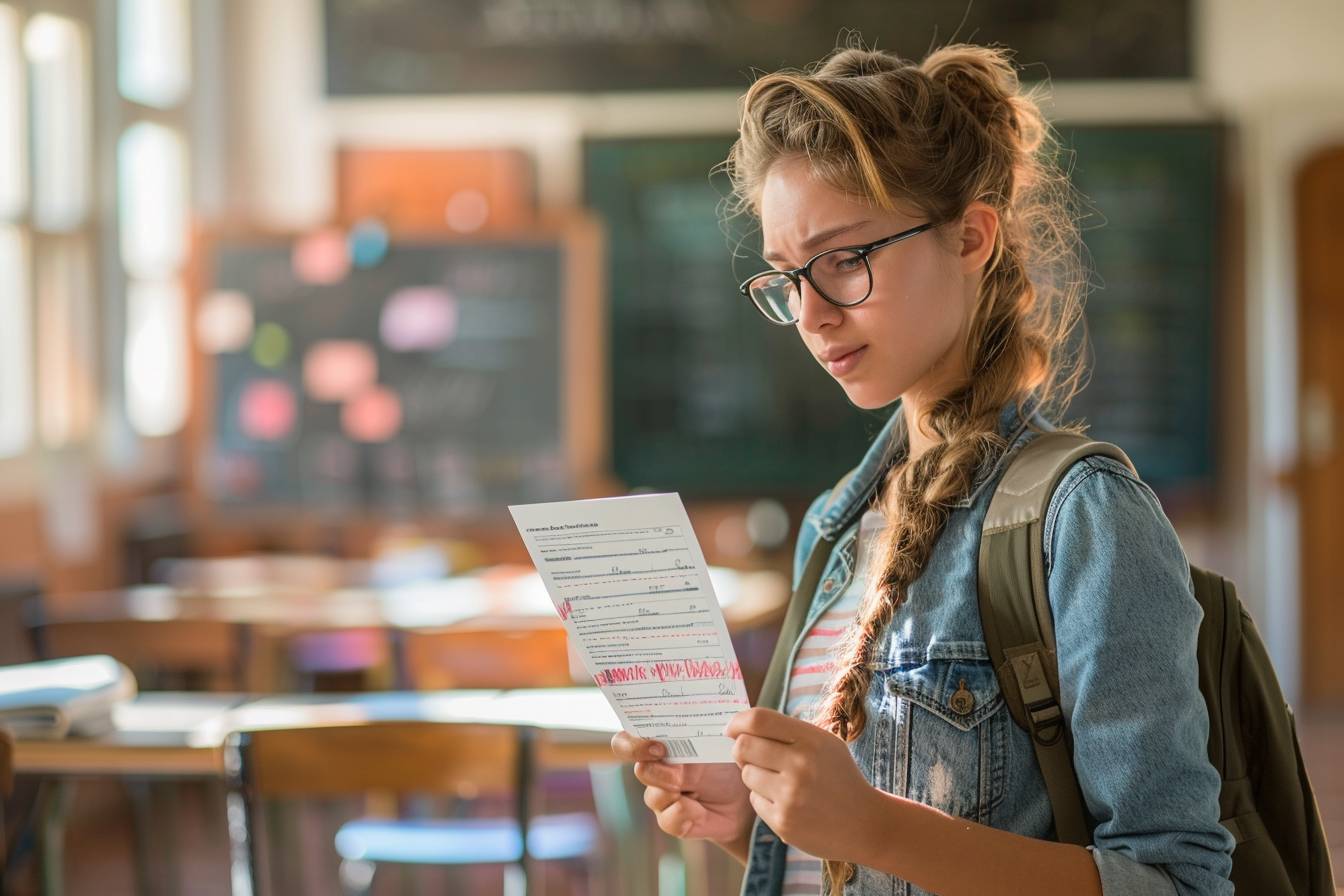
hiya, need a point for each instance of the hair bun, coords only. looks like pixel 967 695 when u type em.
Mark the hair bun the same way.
pixel 982 78
pixel 854 62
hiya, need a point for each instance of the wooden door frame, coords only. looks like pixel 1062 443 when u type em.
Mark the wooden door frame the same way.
pixel 1319 480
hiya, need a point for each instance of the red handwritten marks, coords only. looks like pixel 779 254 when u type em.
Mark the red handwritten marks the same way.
pixel 565 609
pixel 672 670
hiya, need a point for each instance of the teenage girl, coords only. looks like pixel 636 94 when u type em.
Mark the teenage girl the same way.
pixel 923 240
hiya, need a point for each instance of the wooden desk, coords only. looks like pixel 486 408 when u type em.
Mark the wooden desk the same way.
pixel 158 735
pixel 272 623
pixel 747 598
pixel 162 735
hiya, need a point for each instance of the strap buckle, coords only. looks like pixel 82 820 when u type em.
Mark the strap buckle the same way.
pixel 1046 715
pixel 1047 719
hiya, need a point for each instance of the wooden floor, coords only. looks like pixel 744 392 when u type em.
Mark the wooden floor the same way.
pixel 99 846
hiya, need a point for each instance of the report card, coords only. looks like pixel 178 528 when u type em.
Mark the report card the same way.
pixel 630 583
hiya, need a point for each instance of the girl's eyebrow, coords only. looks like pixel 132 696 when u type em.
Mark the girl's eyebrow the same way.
pixel 818 238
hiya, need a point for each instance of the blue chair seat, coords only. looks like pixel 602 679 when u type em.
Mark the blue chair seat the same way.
pixel 465 841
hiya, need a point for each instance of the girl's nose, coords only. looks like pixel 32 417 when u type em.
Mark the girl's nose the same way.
pixel 814 311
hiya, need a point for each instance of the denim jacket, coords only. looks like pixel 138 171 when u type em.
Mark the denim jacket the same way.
pixel 1126 622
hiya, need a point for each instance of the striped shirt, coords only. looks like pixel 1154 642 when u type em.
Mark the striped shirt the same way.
pixel 812 670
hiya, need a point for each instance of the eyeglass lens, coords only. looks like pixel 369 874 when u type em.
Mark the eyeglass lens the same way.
pixel 842 276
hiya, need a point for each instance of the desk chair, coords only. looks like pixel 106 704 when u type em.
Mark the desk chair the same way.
pixel 164 654
pixel 513 654
pixel 341 660
pixel 532 654
pixel 20 605
pixel 399 758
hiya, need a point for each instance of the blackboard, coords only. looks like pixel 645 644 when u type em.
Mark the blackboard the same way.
pixel 484 46
pixel 477 376
pixel 1155 193
pixel 706 396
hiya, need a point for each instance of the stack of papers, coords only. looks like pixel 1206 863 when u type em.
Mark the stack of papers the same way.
pixel 58 698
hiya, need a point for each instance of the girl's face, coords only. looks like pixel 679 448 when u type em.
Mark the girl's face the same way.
pixel 906 337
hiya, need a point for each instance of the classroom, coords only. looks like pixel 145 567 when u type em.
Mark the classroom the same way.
pixel 671 448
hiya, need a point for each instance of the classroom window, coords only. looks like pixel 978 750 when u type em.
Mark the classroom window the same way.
pixel 58 76
pixel 13 118
pixel 16 363
pixel 154 69
pixel 156 357
pixel 66 341
pixel 154 52
pixel 152 200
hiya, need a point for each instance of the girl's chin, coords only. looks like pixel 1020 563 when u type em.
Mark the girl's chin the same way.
pixel 865 397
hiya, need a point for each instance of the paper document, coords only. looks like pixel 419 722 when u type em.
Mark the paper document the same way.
pixel 630 583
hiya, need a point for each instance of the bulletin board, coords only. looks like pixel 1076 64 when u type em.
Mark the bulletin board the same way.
pixel 446 380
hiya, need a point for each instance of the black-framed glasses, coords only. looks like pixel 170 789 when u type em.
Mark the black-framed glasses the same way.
pixel 842 276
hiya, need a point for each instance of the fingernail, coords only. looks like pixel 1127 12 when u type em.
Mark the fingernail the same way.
pixel 657 750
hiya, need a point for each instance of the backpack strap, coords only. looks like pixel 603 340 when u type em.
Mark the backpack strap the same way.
pixel 1015 612
pixel 772 687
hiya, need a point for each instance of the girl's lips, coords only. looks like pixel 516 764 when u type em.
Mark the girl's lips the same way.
pixel 845 363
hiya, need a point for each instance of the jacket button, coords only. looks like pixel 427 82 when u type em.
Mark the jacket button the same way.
pixel 962 701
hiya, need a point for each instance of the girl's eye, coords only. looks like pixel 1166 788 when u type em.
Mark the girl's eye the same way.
pixel 842 262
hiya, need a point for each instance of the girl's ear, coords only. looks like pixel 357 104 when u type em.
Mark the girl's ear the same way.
pixel 979 229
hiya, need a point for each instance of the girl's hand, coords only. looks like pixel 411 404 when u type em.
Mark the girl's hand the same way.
pixel 803 783
pixel 694 801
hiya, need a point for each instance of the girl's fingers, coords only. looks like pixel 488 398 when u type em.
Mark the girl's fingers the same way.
pixel 764 722
pixel 660 774
pixel 764 807
pixel 629 748
pixel 761 781
pixel 677 820
pixel 676 813
pixel 753 750
pixel 659 799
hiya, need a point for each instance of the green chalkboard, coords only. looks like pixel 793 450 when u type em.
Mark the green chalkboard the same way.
pixel 707 398
pixel 379 47
pixel 1152 316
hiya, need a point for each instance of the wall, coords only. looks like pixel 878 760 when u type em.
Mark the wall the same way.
pixel 1270 69
pixel 1276 72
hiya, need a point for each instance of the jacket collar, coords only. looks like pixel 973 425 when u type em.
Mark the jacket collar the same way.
pixel 890 447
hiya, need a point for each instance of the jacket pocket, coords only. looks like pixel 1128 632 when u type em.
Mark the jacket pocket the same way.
pixel 951 724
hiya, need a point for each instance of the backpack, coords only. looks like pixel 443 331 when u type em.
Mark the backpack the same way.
pixel 1266 800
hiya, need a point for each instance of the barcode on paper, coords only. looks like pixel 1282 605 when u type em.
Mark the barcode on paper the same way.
pixel 680 748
